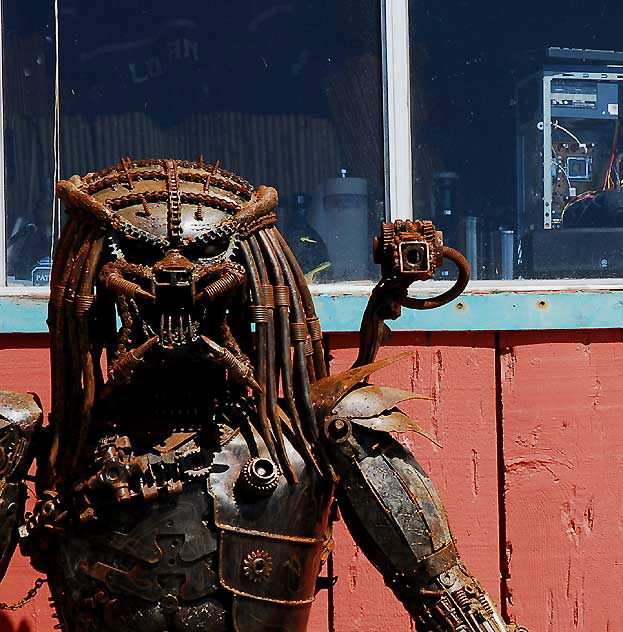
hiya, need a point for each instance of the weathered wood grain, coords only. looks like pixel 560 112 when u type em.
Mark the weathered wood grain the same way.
pixel 458 372
pixel 563 452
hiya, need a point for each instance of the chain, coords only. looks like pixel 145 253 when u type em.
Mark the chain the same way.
pixel 24 600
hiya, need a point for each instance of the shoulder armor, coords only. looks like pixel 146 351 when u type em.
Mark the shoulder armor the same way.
pixel 374 407
pixel 20 416
pixel 370 400
pixel 344 396
pixel 23 410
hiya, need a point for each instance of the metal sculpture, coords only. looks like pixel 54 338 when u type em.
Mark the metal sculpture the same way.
pixel 197 448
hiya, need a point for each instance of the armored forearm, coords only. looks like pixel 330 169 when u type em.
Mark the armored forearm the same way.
pixel 20 416
pixel 396 516
pixel 450 600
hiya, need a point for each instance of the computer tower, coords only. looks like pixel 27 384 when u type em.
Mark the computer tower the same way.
pixel 568 132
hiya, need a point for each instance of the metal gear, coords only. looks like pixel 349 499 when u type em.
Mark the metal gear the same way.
pixel 257 565
pixel 260 475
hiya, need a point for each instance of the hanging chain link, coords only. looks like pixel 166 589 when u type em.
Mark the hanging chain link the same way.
pixel 24 600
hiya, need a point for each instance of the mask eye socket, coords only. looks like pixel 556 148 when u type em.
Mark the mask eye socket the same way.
pixel 210 250
pixel 139 252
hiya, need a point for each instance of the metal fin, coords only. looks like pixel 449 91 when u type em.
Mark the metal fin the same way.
pixel 395 421
pixel 21 409
pixel 372 400
pixel 285 419
pixel 328 391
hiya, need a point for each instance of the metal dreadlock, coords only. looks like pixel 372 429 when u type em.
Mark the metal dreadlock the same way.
pixel 278 301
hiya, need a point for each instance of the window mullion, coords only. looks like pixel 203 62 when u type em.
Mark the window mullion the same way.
pixel 397 106
pixel 3 231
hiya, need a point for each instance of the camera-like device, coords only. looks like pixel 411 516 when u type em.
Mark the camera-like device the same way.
pixel 409 248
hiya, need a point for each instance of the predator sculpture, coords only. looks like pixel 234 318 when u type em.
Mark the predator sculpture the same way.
pixel 197 451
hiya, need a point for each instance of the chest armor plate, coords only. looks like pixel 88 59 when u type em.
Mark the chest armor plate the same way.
pixel 239 528
pixel 272 534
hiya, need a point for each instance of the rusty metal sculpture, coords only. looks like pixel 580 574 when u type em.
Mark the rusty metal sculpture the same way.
pixel 197 448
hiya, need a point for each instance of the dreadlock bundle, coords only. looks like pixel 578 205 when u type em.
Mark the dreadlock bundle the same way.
pixel 72 288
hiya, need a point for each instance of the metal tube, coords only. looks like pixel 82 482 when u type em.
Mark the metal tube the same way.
pixel 271 367
pixel 260 356
pixel 471 244
pixel 507 254
pixel 282 333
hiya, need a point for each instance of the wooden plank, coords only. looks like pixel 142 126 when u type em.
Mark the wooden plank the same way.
pixel 562 398
pixel 458 372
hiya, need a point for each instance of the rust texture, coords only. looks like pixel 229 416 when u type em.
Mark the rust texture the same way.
pixel 197 447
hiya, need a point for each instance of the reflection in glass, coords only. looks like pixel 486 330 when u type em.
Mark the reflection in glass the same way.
pixel 516 137
pixel 284 94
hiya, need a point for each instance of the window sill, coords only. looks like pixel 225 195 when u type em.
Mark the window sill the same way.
pixel 485 306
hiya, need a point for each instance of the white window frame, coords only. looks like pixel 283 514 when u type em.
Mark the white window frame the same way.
pixel 397 108
pixel 3 231
pixel 398 168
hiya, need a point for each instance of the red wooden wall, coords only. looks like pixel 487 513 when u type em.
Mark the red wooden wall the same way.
pixel 531 472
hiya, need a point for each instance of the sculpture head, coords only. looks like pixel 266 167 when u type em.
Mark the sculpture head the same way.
pixel 172 230
pixel 186 257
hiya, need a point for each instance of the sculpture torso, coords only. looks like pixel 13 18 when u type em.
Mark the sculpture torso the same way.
pixel 223 543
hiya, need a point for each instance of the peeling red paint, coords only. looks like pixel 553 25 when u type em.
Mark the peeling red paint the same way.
pixel 560 467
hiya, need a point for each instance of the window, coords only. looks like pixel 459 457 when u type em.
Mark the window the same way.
pixel 287 94
pixel 512 140
pixel 516 134
pixel 28 76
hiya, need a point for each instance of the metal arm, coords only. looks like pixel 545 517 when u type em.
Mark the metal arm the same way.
pixel 395 515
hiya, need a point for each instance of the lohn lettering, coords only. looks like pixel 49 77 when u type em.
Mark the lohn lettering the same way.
pixel 176 50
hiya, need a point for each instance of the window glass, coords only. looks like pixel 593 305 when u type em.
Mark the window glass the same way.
pixel 516 133
pixel 287 94
pixel 28 83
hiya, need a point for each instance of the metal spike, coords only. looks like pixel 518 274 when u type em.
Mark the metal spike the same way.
pixel 328 391
pixel 122 367
pixel 240 372
pixel 118 284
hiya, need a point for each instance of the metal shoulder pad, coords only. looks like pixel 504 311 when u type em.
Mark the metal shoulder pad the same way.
pixel 388 502
pixel 20 416
pixel 374 407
